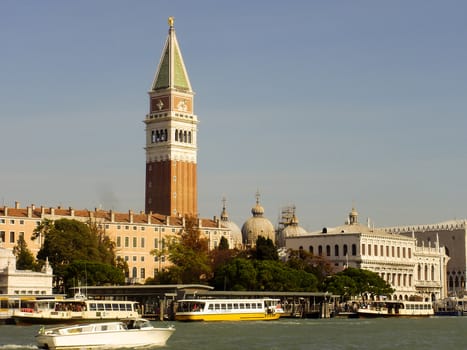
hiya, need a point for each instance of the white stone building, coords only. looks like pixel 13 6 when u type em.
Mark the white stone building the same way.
pixel 410 269
pixel 453 236
pixel 23 282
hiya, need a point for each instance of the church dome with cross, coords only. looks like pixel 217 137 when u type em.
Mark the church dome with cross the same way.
pixel 257 226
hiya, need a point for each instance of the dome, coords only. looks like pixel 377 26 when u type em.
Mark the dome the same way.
pixel 293 229
pixel 234 229
pixel 257 226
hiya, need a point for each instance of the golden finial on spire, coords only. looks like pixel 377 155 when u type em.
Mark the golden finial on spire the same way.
pixel 171 21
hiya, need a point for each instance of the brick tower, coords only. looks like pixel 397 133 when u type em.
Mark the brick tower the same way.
pixel 171 130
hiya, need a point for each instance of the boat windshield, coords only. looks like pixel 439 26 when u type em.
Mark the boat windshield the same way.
pixel 190 306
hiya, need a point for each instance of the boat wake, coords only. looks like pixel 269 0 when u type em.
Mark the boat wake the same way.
pixel 18 347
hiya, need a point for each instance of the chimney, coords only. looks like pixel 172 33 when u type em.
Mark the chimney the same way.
pixel 72 211
pixel 5 209
pixel 130 214
pixel 30 212
pixel 149 218
pixel 112 216
pixel 17 205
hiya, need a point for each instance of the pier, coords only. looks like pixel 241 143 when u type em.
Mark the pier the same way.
pixel 158 301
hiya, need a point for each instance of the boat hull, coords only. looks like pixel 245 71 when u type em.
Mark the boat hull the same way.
pixel 118 339
pixel 227 317
pixel 396 309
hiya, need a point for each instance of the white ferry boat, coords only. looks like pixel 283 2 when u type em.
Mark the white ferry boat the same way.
pixel 262 309
pixel 74 310
pixel 396 308
pixel 137 333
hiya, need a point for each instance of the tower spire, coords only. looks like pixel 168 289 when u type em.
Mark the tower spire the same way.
pixel 171 136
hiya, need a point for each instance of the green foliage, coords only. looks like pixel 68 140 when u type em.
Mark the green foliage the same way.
pixel 314 264
pixel 358 282
pixel 188 253
pixel 92 273
pixel 68 241
pixel 247 275
pixel 237 274
pixel 276 276
pixel 223 244
pixel 24 258
pixel 265 249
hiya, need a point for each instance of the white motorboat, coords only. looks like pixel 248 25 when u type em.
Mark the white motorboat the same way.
pixel 131 334
pixel 396 308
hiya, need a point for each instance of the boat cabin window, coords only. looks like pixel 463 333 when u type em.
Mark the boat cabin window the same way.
pixel 93 306
pixel 242 305
pixel 235 305
pixel 122 307
pixel 108 306
pixel 229 306
pixel 129 307
pixel 100 307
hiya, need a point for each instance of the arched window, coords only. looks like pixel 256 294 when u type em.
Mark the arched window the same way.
pixel 354 249
pixel 419 273
pixel 189 137
pixel 432 272
pixel 153 136
pixel 185 138
pixel 134 272
pixel 320 250
pixel 176 135
pixel 310 249
pixel 336 250
pixel 345 250
pixel 180 135
pixel 328 250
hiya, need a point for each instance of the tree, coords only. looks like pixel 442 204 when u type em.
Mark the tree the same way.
pixel 24 258
pixel 353 282
pixel 223 244
pixel 277 276
pixel 68 241
pixel 92 273
pixel 265 249
pixel 188 252
pixel 236 274
pixel 249 274
pixel 315 264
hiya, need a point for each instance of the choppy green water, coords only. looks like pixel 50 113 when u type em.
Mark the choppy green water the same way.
pixel 336 334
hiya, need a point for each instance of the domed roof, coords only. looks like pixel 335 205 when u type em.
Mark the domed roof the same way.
pixel 293 229
pixel 234 229
pixel 257 226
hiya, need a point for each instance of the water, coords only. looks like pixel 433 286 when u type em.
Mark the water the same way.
pixel 323 334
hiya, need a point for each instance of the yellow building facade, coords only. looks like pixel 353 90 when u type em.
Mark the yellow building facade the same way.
pixel 136 235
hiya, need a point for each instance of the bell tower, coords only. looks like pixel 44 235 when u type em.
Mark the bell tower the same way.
pixel 171 132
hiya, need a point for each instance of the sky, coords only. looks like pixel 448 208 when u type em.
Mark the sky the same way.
pixel 321 105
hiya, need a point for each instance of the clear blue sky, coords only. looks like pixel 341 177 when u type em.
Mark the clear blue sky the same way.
pixel 318 104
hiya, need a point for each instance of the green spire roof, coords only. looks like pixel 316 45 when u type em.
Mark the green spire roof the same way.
pixel 171 72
